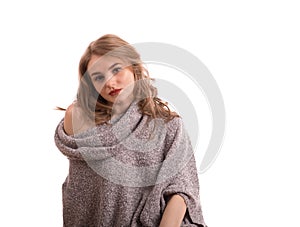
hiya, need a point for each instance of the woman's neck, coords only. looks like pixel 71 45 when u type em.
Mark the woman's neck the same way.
pixel 120 107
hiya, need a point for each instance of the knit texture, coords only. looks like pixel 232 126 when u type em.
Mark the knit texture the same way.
pixel 124 173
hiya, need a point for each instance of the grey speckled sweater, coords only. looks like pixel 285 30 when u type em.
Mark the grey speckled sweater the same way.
pixel 123 174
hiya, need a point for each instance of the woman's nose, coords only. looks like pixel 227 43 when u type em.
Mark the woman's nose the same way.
pixel 111 82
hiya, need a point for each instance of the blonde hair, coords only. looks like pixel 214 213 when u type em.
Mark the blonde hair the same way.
pixel 95 106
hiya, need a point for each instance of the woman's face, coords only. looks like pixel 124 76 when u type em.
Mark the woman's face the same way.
pixel 111 77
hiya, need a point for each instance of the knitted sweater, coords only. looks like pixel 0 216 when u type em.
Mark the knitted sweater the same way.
pixel 124 173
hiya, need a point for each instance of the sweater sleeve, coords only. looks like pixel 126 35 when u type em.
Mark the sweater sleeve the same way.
pixel 178 175
pixel 186 184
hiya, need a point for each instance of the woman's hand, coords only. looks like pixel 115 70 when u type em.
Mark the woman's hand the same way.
pixel 174 212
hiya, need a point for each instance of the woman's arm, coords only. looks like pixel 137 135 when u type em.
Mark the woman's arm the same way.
pixel 174 212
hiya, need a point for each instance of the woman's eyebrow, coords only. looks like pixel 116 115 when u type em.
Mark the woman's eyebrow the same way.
pixel 112 66
pixel 96 74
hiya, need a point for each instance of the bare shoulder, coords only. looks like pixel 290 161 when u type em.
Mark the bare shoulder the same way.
pixel 75 120
pixel 68 120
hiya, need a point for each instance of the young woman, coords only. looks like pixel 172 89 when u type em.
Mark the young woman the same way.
pixel 131 161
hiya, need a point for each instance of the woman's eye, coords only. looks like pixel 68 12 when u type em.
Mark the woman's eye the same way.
pixel 116 70
pixel 99 78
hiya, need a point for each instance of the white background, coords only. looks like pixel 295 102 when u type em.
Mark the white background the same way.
pixel 251 48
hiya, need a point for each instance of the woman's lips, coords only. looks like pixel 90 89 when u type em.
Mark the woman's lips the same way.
pixel 114 92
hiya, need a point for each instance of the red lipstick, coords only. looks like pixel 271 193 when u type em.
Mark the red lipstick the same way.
pixel 114 92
